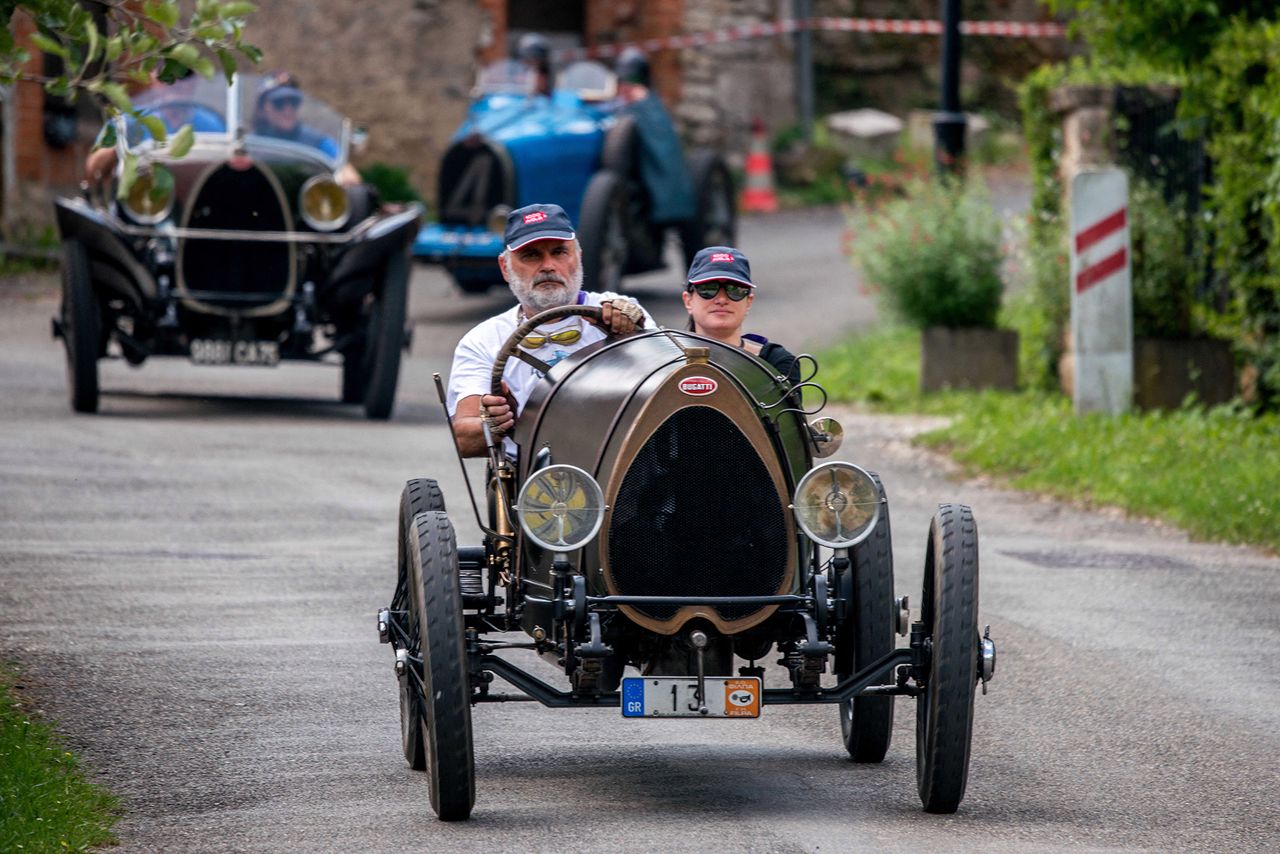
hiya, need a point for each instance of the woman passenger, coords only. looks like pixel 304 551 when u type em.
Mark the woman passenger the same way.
pixel 718 296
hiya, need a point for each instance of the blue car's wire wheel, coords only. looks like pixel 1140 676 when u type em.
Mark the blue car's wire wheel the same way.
pixel 475 177
pixel 237 277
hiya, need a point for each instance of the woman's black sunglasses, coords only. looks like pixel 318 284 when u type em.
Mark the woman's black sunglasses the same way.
pixel 708 290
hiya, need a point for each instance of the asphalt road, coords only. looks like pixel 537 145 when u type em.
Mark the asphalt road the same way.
pixel 189 581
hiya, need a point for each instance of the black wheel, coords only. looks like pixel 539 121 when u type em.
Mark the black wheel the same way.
pixel 386 339
pixel 419 496
pixel 866 723
pixel 81 320
pixel 355 377
pixel 715 223
pixel 949 612
pixel 620 152
pixel 471 284
pixel 602 231
pixel 446 690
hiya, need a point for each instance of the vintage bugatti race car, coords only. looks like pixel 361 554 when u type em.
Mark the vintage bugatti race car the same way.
pixel 245 251
pixel 579 148
pixel 663 529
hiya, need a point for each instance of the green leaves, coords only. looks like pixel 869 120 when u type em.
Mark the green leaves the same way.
pixel 182 141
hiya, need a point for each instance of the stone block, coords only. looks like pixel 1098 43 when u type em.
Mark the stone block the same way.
pixel 866 132
pixel 920 129
pixel 968 358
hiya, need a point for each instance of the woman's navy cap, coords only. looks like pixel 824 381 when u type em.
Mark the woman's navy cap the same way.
pixel 720 262
pixel 536 222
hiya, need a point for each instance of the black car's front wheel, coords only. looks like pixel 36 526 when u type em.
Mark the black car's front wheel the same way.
pixel 866 723
pixel 949 612
pixel 385 338
pixel 81 323
pixel 446 689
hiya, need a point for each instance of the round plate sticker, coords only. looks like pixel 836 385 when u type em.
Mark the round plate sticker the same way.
pixel 698 386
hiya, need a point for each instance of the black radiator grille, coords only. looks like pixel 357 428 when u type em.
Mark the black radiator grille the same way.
pixel 245 274
pixel 697 515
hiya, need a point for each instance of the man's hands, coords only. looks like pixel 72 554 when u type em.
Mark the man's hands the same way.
pixel 498 411
pixel 620 317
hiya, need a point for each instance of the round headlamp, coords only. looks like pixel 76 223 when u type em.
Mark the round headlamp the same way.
pixel 837 505
pixel 561 507
pixel 323 204
pixel 150 198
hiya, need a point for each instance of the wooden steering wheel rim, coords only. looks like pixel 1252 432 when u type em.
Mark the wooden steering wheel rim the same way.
pixel 522 331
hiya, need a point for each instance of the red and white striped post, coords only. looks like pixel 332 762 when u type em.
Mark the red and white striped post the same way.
pixel 1101 292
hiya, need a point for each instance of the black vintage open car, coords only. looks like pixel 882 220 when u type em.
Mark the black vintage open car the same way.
pixel 244 251
pixel 665 514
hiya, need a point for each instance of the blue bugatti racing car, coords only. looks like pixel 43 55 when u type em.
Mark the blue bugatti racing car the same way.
pixel 608 164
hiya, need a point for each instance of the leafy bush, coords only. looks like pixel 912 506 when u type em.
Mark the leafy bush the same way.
pixel 391 182
pixel 1166 264
pixel 934 255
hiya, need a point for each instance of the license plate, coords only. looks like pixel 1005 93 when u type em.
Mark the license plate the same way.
pixel 221 351
pixel 677 697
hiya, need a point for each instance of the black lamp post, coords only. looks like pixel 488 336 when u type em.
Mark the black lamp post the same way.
pixel 949 121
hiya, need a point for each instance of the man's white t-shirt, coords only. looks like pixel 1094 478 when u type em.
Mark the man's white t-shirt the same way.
pixel 473 359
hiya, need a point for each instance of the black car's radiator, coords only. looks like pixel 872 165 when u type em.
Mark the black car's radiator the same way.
pixel 697 514
pixel 231 274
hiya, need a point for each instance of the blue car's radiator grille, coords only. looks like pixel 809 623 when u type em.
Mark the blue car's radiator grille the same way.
pixel 474 179
pixel 231 274
pixel 697 515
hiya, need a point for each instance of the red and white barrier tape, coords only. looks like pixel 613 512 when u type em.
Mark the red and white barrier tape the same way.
pixel 1009 29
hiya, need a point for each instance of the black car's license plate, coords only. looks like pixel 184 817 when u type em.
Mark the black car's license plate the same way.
pixel 221 351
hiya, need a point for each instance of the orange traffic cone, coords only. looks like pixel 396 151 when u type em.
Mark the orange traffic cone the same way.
pixel 758 195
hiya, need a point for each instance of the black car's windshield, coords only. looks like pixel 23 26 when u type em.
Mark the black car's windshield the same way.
pixel 289 116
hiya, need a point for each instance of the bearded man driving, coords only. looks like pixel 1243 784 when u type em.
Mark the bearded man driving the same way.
pixel 542 263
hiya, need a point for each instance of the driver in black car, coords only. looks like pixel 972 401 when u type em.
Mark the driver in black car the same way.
pixel 542 263
pixel 277 115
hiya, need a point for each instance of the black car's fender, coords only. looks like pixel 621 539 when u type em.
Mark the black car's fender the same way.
pixel 114 266
pixel 362 260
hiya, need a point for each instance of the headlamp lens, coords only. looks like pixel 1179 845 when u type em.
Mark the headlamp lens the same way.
pixel 324 204
pixel 150 198
pixel 837 504
pixel 561 507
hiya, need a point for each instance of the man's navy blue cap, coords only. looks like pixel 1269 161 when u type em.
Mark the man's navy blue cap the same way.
pixel 720 262
pixel 536 222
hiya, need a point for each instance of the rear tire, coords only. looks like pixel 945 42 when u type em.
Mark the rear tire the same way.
pixel 446 689
pixel 420 495
pixel 386 339
pixel 715 222
pixel 949 611
pixel 602 231
pixel 866 723
pixel 81 318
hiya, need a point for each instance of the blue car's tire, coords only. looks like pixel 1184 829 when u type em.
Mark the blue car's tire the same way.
pixel 715 222
pixel 602 231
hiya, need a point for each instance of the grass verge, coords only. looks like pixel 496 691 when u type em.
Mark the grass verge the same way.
pixel 1212 472
pixel 46 804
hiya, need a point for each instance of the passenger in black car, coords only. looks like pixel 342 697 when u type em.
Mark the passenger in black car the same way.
pixel 718 295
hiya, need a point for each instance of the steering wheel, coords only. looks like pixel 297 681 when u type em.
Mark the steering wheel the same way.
pixel 511 347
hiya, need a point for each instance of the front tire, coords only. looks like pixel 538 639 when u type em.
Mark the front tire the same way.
pixel 602 231
pixel 386 337
pixel 866 723
pixel 446 689
pixel 81 320
pixel 420 495
pixel 949 612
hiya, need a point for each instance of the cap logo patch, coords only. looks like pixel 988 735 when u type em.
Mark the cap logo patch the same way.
pixel 536 216
pixel 698 386
pixel 721 257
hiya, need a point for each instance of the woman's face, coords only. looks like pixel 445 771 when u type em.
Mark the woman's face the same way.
pixel 718 317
